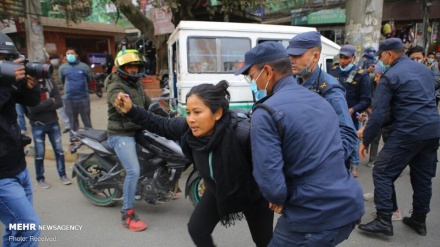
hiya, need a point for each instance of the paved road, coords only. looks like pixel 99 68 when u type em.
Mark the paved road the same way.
pixel 65 205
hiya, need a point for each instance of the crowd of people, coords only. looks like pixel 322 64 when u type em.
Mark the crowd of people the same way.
pixel 282 160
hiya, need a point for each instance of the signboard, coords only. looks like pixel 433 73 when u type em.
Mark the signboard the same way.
pixel 97 58
pixel 161 18
pixel 12 8
pixel 327 16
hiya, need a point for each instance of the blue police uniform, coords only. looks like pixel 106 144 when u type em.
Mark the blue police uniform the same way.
pixel 406 90
pixel 298 160
pixel 304 170
pixel 333 92
pixel 357 86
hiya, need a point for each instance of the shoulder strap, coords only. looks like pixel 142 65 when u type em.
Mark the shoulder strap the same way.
pixel 271 112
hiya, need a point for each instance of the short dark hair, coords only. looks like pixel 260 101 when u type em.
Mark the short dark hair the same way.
pixel 283 66
pixel 72 48
pixel 53 56
pixel 213 96
pixel 416 49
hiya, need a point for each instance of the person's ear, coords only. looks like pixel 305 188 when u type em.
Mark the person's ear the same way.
pixel 218 114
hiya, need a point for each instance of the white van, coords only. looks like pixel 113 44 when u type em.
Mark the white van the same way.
pixel 207 52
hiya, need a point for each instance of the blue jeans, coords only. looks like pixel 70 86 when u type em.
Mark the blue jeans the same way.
pixel 20 113
pixel 125 148
pixel 16 207
pixel 54 133
pixel 285 235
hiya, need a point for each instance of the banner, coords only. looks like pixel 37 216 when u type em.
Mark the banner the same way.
pixel 161 18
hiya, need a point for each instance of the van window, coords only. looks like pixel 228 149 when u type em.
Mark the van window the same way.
pixel 284 42
pixel 216 55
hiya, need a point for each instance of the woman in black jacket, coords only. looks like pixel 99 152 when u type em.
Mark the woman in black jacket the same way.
pixel 217 142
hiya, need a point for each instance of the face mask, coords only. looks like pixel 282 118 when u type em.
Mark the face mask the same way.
pixel 259 94
pixel 55 62
pixel 348 67
pixel 306 70
pixel 430 60
pixel 383 65
pixel 71 58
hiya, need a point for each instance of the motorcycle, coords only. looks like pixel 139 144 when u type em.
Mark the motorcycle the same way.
pixel 100 175
pixel 96 83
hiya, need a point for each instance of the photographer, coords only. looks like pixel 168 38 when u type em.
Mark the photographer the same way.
pixel 15 184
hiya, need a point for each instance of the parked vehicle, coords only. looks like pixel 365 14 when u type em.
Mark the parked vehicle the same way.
pixel 96 83
pixel 207 52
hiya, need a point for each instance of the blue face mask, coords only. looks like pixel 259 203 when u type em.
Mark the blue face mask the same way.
pixel 347 68
pixel 259 94
pixel 430 60
pixel 71 58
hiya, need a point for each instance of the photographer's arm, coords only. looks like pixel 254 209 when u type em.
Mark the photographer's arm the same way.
pixel 29 93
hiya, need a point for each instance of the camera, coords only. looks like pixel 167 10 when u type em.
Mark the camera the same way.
pixel 35 69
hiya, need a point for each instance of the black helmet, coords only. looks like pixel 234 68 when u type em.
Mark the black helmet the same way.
pixel 8 47
pixel 130 56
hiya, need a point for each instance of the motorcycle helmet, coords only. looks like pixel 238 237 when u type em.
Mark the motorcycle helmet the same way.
pixel 8 47
pixel 370 50
pixel 129 57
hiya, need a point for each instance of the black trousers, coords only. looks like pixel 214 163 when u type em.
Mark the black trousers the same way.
pixel 205 217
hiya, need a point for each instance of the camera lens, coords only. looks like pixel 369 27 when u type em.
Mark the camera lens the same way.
pixel 39 70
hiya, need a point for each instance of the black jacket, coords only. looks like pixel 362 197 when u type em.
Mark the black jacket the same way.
pixel 225 162
pixel 45 112
pixel 12 160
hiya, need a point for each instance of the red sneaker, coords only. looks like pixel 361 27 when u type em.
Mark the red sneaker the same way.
pixel 132 222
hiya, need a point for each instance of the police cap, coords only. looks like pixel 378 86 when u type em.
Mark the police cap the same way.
pixel 264 52
pixel 347 50
pixel 390 45
pixel 300 43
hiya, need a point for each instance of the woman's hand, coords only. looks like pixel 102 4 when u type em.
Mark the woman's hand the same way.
pixel 276 208
pixel 123 102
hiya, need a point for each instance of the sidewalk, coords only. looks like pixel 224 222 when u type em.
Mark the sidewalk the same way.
pixel 99 121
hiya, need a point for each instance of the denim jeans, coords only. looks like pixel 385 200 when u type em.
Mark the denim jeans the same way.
pixel 20 114
pixel 16 207
pixel 54 133
pixel 125 148
pixel 285 235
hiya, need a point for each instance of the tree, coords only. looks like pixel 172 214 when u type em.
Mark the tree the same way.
pixel 182 10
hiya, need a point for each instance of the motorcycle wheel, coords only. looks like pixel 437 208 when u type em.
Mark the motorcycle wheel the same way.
pixel 98 197
pixel 98 90
pixel 197 188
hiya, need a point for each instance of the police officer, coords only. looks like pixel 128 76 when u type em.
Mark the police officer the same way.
pixel 357 86
pixel 304 51
pixel 404 89
pixel 299 169
pixel 368 60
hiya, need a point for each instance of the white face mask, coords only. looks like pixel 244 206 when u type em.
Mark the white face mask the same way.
pixel 55 62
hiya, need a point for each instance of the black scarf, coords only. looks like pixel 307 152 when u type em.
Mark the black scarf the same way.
pixel 236 188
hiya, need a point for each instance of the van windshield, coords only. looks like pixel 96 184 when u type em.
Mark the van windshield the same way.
pixel 216 55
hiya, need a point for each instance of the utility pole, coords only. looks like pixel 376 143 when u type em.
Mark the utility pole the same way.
pixel 34 32
pixel 363 24
pixel 425 10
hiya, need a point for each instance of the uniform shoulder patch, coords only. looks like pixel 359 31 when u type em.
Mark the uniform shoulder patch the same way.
pixel 335 67
pixel 323 85
pixel 360 71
